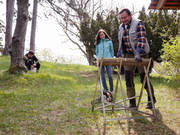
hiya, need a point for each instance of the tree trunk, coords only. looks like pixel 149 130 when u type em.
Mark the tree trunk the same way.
pixel 9 24
pixel 91 60
pixel 18 40
pixel 33 26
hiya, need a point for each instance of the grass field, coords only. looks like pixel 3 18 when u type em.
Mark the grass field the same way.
pixel 56 101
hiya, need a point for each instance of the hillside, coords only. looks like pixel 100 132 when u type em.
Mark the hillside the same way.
pixel 56 101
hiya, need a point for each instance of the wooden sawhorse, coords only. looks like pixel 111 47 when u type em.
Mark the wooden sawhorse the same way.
pixel 119 62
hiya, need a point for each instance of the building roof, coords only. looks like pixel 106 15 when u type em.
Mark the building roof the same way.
pixel 165 4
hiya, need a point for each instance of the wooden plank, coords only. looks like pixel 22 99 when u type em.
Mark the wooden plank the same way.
pixel 98 81
pixel 172 0
pixel 125 61
pixel 171 8
pixel 160 4
pixel 164 4
pixel 172 3
pixel 153 4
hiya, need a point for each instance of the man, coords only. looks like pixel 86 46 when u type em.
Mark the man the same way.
pixel 31 61
pixel 133 44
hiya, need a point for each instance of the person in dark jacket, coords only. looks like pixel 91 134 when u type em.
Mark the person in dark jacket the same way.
pixel 31 61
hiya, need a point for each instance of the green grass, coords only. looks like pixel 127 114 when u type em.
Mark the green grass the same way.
pixel 56 101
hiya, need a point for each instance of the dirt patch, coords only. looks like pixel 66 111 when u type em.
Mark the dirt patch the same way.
pixel 178 98
pixel 88 74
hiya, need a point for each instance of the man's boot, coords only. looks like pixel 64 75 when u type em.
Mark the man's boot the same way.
pixel 149 104
pixel 132 103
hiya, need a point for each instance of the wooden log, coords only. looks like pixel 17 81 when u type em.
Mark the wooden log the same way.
pixel 125 61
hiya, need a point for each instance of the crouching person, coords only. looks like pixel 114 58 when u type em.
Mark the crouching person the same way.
pixel 31 61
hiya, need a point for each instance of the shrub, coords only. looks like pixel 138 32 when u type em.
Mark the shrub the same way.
pixel 171 57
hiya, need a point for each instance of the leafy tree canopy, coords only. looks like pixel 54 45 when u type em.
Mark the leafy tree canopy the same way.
pixel 160 26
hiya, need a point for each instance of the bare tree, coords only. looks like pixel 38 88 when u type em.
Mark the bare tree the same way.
pixel 70 14
pixel 9 24
pixel 18 40
pixel 33 26
pixel 2 31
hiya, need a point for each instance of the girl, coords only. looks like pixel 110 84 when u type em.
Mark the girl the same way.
pixel 104 49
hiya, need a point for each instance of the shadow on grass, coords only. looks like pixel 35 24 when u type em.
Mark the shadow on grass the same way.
pixel 146 126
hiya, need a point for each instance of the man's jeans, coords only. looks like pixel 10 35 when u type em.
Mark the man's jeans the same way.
pixel 103 77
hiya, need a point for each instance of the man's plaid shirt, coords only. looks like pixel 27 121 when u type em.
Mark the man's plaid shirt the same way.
pixel 140 33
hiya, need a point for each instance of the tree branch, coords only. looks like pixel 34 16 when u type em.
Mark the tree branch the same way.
pixel 74 42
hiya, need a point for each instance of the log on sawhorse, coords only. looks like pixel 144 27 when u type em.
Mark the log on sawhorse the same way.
pixel 119 62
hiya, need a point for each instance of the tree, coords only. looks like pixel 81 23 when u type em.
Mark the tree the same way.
pixel 171 57
pixel 9 24
pixel 2 31
pixel 81 20
pixel 17 51
pixel 160 26
pixel 70 15
pixel 33 26
pixel 109 23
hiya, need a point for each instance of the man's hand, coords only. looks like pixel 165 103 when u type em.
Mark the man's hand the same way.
pixel 32 67
pixel 119 53
pixel 138 57
pixel 137 54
